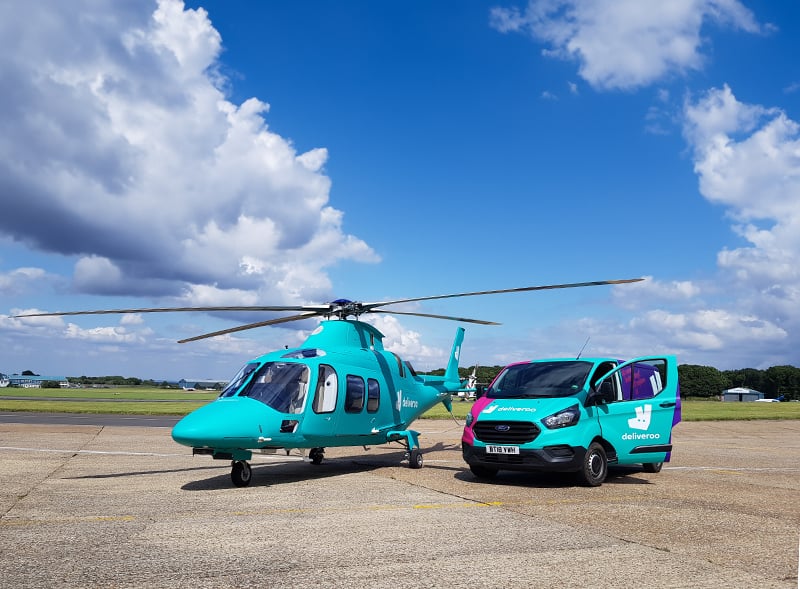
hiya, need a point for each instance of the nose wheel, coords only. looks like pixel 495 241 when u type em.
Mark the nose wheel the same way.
pixel 241 473
pixel 316 455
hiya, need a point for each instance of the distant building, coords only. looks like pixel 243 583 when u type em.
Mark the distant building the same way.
pixel 35 381
pixel 741 394
pixel 201 384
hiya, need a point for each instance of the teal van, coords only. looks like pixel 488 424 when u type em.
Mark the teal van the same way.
pixel 575 415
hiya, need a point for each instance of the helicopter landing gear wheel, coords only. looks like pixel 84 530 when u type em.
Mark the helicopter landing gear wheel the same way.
pixel 415 458
pixel 316 455
pixel 241 473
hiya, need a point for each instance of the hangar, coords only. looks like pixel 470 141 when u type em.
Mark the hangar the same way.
pixel 34 381
pixel 741 394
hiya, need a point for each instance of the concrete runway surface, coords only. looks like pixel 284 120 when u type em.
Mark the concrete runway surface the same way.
pixel 105 506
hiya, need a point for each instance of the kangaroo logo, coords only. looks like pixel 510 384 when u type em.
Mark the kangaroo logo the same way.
pixel 642 419
pixel 489 409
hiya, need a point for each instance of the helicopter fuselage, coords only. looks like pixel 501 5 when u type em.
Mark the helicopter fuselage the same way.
pixel 340 388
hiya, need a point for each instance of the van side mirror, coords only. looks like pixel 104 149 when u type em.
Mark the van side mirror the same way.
pixel 606 394
pixel 603 395
pixel 480 390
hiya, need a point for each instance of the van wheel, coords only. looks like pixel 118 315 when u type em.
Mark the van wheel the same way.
pixel 595 466
pixel 652 466
pixel 483 472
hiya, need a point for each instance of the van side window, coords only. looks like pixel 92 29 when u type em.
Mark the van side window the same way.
pixel 643 380
pixel 354 395
pixel 327 389
pixel 373 395
pixel 603 369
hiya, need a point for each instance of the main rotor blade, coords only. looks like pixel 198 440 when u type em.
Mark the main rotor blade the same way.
pixel 251 326
pixel 465 319
pixel 371 306
pixel 314 308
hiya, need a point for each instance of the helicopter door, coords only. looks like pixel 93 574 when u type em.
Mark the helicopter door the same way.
pixel 353 418
pixel 321 420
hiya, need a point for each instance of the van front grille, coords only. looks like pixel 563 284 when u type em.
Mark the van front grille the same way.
pixel 506 432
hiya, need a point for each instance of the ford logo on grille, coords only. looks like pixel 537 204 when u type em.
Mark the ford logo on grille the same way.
pixel 502 428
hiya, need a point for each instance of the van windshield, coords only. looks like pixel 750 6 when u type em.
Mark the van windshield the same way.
pixel 540 379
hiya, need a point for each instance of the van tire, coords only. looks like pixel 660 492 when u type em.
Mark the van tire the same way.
pixel 595 466
pixel 652 466
pixel 483 472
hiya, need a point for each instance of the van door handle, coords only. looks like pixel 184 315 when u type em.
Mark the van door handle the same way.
pixel 668 404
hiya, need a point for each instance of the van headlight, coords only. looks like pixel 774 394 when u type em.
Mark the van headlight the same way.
pixel 564 418
pixel 469 419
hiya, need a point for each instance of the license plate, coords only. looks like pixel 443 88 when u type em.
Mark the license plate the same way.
pixel 502 449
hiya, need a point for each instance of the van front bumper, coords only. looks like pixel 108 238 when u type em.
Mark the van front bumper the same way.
pixel 561 458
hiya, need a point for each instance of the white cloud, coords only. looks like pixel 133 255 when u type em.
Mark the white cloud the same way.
pixel 625 43
pixel 747 158
pixel 118 127
pixel 21 280
pixel 407 343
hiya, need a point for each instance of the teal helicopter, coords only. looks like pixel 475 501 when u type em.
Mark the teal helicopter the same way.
pixel 341 387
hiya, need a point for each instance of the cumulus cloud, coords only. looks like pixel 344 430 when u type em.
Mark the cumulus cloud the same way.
pixel 21 280
pixel 407 343
pixel 119 146
pixel 626 43
pixel 747 158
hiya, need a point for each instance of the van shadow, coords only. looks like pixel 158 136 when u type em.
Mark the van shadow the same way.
pixel 617 475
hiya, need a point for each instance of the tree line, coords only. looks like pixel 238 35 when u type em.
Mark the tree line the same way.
pixel 695 380
pixel 702 381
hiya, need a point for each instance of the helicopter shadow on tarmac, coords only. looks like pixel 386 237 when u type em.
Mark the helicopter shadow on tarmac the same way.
pixel 294 470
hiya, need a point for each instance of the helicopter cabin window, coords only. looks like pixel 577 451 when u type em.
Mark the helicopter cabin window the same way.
pixel 280 385
pixel 327 390
pixel 373 395
pixel 237 381
pixel 400 367
pixel 354 396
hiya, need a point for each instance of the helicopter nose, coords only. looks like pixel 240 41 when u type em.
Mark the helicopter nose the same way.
pixel 224 423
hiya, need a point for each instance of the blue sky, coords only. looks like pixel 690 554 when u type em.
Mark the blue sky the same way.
pixel 281 153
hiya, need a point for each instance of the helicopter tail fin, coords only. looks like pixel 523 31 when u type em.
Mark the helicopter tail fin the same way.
pixel 451 372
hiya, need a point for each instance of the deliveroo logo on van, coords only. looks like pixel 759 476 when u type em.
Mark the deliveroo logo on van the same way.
pixel 642 419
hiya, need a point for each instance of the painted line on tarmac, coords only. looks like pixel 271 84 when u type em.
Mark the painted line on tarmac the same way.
pixel 11 521
pixel 736 470
pixel 108 452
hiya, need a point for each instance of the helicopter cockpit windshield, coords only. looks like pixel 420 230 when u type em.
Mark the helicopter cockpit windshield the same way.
pixel 237 381
pixel 280 385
